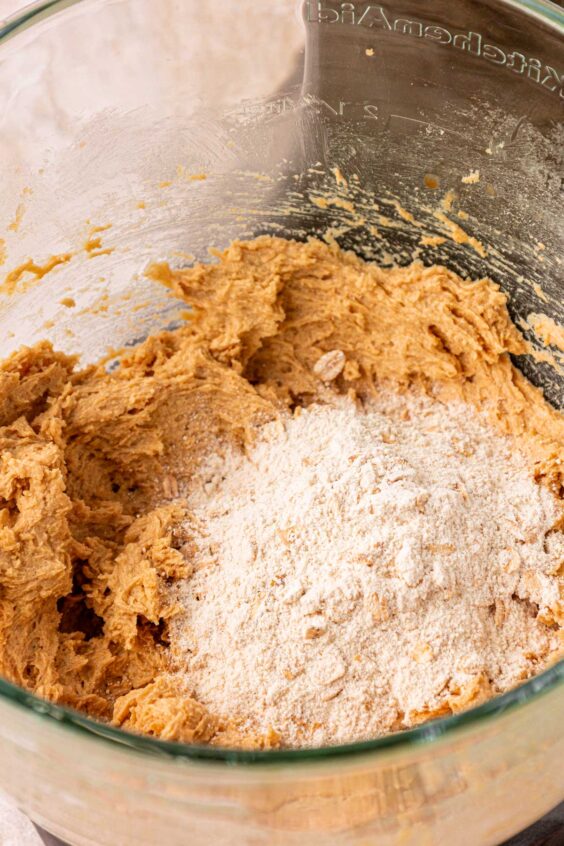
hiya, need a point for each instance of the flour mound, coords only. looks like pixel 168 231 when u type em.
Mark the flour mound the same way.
pixel 359 570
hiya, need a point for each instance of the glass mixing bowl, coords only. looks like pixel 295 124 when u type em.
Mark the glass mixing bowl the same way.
pixel 131 130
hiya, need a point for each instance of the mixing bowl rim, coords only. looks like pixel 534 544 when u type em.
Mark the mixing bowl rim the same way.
pixel 546 681
pixel 38 10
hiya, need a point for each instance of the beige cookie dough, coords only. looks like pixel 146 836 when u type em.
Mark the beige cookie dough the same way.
pixel 90 525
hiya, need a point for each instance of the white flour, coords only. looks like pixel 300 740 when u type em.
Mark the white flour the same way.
pixel 356 570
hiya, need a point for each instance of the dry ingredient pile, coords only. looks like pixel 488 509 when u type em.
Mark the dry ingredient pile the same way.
pixel 356 565
pixel 326 507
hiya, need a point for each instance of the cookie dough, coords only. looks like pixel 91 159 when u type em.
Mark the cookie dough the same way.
pixel 91 461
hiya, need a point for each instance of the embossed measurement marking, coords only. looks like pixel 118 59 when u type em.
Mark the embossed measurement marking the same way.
pixel 258 110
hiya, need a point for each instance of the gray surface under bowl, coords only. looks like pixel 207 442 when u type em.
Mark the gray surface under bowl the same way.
pixel 549 831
